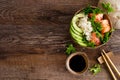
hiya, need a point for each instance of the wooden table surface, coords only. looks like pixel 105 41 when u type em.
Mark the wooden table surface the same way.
pixel 33 36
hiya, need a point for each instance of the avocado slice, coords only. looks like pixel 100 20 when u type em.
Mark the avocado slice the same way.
pixel 75 35
pixel 74 31
pixel 79 41
pixel 82 44
pixel 74 20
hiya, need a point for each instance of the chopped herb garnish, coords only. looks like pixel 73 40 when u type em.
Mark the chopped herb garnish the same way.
pixel 98 34
pixel 95 69
pixel 89 9
pixel 97 10
pixel 106 37
pixel 107 7
pixel 70 49
pixel 96 25
pixel 89 44
pixel 112 29
pixel 92 19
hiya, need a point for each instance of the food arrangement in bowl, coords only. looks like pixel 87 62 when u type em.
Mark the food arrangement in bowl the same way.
pixel 90 27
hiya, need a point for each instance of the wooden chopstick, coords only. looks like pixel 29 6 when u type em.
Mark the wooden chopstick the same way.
pixel 112 65
pixel 113 75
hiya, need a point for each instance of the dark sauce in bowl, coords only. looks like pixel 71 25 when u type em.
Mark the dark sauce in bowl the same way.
pixel 77 63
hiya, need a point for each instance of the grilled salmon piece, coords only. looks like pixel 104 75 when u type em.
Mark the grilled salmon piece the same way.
pixel 105 26
pixel 95 39
pixel 98 17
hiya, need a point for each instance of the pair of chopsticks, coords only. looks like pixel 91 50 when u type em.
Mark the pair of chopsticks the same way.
pixel 110 64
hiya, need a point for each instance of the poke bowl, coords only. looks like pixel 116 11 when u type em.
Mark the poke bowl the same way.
pixel 90 27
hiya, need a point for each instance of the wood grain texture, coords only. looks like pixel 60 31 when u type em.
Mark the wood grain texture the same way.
pixel 33 37
pixel 39 11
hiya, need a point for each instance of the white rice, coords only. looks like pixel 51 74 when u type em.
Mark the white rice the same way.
pixel 85 25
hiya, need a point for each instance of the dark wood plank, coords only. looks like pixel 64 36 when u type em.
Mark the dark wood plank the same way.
pixel 36 24
pixel 33 36
pixel 39 11
pixel 46 67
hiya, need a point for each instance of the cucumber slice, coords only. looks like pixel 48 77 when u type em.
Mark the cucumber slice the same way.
pixel 74 20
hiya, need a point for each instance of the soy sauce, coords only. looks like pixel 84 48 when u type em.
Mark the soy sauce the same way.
pixel 77 63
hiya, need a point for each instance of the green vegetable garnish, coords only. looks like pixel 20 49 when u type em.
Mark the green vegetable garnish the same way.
pixel 112 29
pixel 89 9
pixel 96 26
pixel 97 10
pixel 89 44
pixel 95 69
pixel 98 34
pixel 106 37
pixel 107 7
pixel 70 49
